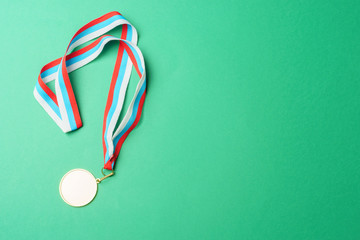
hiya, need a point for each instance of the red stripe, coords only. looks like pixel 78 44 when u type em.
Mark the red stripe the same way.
pixel 47 90
pixel 108 165
pixel 111 91
pixel 73 54
pixel 71 95
pixel 84 49
pixel 90 24
pixel 50 65
pixel 94 22
pixel 87 48
pixel 124 31
pixel 133 59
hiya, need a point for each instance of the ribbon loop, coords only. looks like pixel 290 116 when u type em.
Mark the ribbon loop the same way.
pixel 62 106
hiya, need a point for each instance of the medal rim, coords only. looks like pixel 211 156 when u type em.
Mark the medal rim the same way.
pixel 62 179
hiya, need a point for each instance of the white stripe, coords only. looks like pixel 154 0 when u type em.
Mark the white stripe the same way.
pixel 99 32
pixel 61 103
pixel 48 109
pixel 90 58
pixel 138 87
pixel 83 62
pixel 134 37
pixel 119 105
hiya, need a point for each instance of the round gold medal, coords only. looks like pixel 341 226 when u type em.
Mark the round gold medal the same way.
pixel 78 187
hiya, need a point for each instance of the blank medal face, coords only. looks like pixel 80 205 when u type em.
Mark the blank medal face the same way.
pixel 78 187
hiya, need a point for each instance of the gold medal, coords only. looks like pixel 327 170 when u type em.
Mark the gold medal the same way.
pixel 78 187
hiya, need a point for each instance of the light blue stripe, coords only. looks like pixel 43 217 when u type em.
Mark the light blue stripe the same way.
pixel 132 117
pixel 118 84
pixel 134 113
pixel 129 33
pixel 74 60
pixel 65 95
pixel 85 54
pixel 96 27
pixel 49 71
pixel 47 99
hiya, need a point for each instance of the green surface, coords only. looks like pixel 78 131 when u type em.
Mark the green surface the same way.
pixel 250 129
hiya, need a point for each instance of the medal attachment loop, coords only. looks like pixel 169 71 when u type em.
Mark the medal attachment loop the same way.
pixel 98 180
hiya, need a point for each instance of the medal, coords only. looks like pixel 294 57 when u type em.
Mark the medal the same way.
pixel 78 187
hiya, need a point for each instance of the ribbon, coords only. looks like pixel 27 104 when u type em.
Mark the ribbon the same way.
pixel 62 106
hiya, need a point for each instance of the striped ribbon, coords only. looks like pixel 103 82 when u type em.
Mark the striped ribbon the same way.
pixel 62 106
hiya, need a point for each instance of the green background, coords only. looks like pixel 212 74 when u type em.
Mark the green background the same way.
pixel 250 128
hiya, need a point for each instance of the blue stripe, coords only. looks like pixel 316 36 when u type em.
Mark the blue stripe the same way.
pixel 96 27
pixel 74 60
pixel 114 103
pixel 85 54
pixel 132 117
pixel 49 71
pixel 133 114
pixel 47 99
pixel 67 103
pixel 129 33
